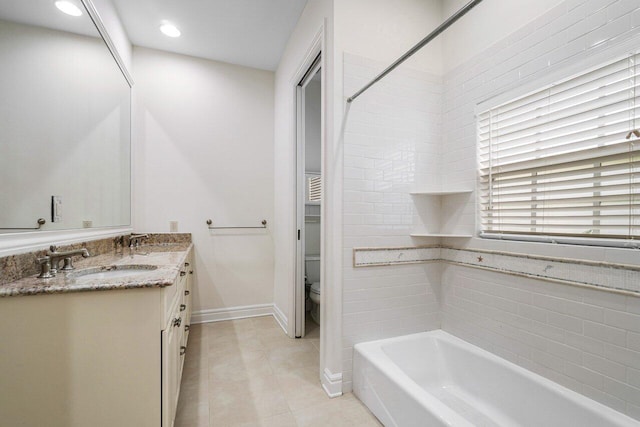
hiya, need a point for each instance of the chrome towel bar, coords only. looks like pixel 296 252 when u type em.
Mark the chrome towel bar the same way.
pixel 40 222
pixel 209 222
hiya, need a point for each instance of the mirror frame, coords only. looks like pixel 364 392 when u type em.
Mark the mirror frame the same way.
pixel 20 242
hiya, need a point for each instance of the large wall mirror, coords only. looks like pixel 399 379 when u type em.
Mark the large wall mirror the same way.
pixel 65 122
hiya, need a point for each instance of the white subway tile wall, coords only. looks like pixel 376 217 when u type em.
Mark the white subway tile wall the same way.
pixel 391 141
pixel 562 332
pixel 585 339
pixel 609 276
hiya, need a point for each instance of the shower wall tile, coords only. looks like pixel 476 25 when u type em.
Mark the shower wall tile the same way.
pixel 554 330
pixel 391 145
pixel 582 338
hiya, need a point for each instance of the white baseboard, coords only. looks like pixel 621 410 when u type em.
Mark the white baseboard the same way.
pixel 332 383
pixel 241 312
pixel 280 318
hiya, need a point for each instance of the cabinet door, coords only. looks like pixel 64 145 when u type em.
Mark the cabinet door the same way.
pixel 188 300
pixel 170 374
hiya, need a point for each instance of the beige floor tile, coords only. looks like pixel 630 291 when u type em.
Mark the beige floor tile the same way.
pixel 239 366
pixel 194 391
pixel 315 342
pixel 192 416
pixel 275 338
pixel 301 354
pixel 312 328
pixel 235 324
pixel 249 373
pixel 196 359
pixel 265 322
pixel 237 402
pixel 232 337
pixel 230 346
pixel 344 411
pixel 282 420
pixel 301 387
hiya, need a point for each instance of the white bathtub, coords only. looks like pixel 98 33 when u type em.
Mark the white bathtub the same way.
pixel 436 379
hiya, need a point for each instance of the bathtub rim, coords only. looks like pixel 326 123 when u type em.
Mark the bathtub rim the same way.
pixel 373 352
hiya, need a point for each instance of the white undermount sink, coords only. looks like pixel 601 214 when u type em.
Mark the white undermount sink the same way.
pixel 111 272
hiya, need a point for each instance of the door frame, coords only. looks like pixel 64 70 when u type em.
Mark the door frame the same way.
pixel 299 292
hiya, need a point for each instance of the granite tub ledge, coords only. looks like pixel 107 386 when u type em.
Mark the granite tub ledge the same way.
pixel 167 260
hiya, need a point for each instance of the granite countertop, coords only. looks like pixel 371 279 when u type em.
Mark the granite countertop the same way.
pixel 165 261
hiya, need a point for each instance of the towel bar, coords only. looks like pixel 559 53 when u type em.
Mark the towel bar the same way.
pixel 209 222
pixel 41 222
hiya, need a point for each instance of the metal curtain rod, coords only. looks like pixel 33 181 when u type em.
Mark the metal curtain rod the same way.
pixel 446 24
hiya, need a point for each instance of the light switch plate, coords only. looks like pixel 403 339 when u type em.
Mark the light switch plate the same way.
pixel 173 226
pixel 56 209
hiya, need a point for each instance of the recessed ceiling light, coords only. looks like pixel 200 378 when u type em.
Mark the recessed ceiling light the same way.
pixel 68 8
pixel 170 30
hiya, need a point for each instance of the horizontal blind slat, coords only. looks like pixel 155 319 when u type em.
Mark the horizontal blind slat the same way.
pixel 557 162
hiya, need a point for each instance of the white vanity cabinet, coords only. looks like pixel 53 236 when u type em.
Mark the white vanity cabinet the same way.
pixel 174 343
pixel 97 358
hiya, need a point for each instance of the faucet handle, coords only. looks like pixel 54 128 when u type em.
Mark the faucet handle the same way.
pixel 45 268
pixel 53 248
pixel 68 264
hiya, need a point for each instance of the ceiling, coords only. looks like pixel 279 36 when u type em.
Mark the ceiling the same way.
pixel 252 33
pixel 43 13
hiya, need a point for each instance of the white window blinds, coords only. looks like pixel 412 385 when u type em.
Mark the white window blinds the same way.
pixel 564 160
pixel 314 190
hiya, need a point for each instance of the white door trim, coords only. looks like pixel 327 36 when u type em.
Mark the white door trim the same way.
pixel 330 226
pixel 300 194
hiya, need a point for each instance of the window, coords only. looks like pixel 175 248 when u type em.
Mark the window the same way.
pixel 565 160
pixel 314 188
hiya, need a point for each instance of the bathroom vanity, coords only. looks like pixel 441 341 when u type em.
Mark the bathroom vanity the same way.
pixel 103 345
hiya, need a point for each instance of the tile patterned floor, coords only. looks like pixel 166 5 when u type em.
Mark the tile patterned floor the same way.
pixel 249 373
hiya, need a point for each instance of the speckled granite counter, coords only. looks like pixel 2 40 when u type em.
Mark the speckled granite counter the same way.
pixel 165 259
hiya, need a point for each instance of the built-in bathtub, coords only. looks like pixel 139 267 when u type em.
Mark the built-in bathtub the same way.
pixel 435 379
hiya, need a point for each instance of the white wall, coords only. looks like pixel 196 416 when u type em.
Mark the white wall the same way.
pixel 488 23
pixel 585 339
pixel 384 30
pixel 204 149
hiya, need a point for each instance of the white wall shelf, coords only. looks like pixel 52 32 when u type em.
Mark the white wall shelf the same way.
pixel 441 213
pixel 440 193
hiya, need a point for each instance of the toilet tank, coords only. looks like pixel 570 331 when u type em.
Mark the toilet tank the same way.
pixel 312 268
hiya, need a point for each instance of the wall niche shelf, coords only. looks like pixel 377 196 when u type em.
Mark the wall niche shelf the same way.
pixel 442 213
pixel 440 193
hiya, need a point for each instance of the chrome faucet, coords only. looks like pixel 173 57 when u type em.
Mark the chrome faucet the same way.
pixel 50 264
pixel 134 239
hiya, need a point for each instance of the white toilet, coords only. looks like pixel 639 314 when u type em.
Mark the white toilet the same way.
pixel 312 271
pixel 314 296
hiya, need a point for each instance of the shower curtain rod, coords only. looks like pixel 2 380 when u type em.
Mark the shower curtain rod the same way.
pixel 446 24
